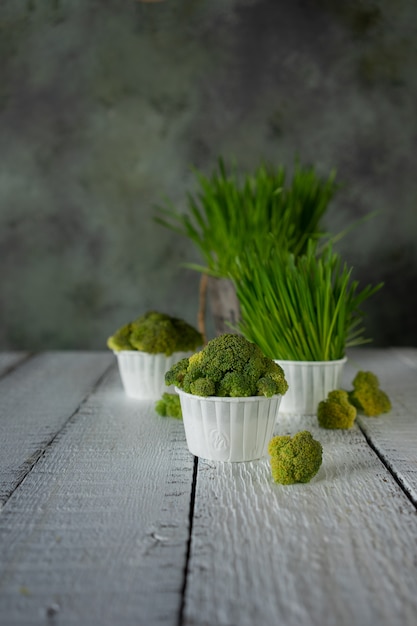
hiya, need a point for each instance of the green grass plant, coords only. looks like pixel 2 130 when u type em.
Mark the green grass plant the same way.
pixel 300 308
pixel 230 212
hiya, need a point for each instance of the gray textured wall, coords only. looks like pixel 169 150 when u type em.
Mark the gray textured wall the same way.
pixel 105 105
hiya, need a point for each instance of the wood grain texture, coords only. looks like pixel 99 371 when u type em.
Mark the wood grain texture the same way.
pixel 36 399
pixel 338 551
pixel 96 529
pixel 9 360
pixel 393 435
pixel 97 533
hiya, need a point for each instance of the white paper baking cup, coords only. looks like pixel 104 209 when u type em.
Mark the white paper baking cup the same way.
pixel 309 382
pixel 143 374
pixel 228 429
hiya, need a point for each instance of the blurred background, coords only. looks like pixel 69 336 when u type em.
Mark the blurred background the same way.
pixel 106 105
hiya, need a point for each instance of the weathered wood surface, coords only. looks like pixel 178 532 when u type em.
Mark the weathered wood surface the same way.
pixel 96 530
pixel 36 399
pixel 341 550
pixel 9 360
pixel 393 435
pixel 97 533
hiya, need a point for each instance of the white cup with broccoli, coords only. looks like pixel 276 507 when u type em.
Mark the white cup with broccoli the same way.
pixel 146 349
pixel 230 394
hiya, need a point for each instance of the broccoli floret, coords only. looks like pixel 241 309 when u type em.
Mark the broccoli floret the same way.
pixel 266 387
pixel 175 375
pixel 336 411
pixel 229 365
pixel 169 406
pixel 367 397
pixel 265 375
pixel 121 339
pixel 202 387
pixel 295 459
pixel 227 353
pixel 276 373
pixel 234 385
pixel 156 333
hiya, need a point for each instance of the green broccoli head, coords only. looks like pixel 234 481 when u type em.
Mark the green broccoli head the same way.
pixel 156 333
pixel 367 397
pixel 295 459
pixel 169 406
pixel 229 366
pixel 336 411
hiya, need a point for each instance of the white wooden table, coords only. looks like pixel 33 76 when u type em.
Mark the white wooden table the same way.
pixel 107 519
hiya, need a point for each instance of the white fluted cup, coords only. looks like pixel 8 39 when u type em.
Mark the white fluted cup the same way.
pixel 143 374
pixel 228 429
pixel 309 382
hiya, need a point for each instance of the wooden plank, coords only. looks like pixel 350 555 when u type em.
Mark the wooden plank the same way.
pixel 9 360
pixel 340 550
pixel 97 533
pixel 393 435
pixel 395 367
pixel 36 399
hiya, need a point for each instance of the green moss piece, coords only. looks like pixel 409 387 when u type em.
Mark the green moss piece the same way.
pixel 169 406
pixel 295 459
pixel 336 411
pixel 367 396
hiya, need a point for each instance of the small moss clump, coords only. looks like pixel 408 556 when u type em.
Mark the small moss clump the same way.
pixel 169 406
pixel 336 411
pixel 367 396
pixel 295 459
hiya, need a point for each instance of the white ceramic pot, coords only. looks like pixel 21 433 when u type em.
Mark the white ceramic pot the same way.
pixel 228 429
pixel 309 382
pixel 143 374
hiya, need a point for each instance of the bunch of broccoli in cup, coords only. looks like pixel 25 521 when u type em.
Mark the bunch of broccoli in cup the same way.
pixel 156 333
pixel 228 366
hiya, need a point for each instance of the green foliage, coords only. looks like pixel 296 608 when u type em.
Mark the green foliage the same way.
pixel 156 333
pixel 295 459
pixel 228 366
pixel 229 212
pixel 303 308
pixel 367 396
pixel 169 406
pixel 336 411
